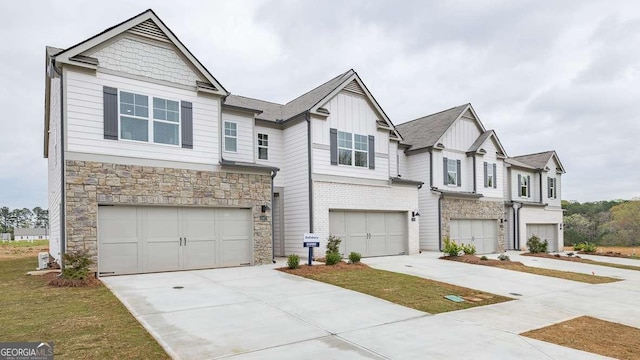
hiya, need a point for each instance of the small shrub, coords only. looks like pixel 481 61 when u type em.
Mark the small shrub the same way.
pixel 77 266
pixel 469 249
pixel 536 246
pixel 354 257
pixel 484 258
pixel 293 261
pixel 589 247
pixel 333 258
pixel 333 245
pixel 451 248
pixel 504 257
pixel 577 247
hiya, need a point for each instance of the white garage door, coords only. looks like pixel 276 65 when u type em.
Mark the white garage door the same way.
pixel 150 239
pixel 481 233
pixel 544 232
pixel 370 233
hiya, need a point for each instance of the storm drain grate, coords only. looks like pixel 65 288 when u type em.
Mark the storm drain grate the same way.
pixel 515 294
pixel 178 287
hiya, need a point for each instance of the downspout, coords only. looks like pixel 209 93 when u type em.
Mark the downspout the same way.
pixel 430 168
pixel 516 225
pixel 63 228
pixel 474 174
pixel 273 240
pixel 440 221
pixel 308 119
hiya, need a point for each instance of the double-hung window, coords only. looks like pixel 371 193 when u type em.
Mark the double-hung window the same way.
pixel 552 186
pixel 230 136
pixel 523 182
pixel 263 146
pixel 452 172
pixel 160 126
pixel 490 173
pixel 353 149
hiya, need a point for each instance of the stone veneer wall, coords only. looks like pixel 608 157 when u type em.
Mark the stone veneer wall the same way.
pixel 91 183
pixel 456 208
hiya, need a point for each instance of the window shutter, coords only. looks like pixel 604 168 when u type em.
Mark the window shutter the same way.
pixel 529 186
pixel 549 185
pixel 486 175
pixel 333 141
pixel 519 185
pixel 555 188
pixel 110 111
pixel 495 176
pixel 445 174
pixel 372 152
pixel 459 173
pixel 186 114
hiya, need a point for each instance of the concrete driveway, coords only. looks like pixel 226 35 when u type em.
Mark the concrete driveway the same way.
pixel 260 313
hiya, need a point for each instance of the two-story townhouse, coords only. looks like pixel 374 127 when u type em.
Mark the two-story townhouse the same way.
pixel 532 199
pixel 337 151
pixel 138 171
pixel 463 164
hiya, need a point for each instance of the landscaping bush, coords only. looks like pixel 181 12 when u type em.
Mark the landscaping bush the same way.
pixel 354 257
pixel 333 245
pixel 577 247
pixel 293 261
pixel 333 258
pixel 589 247
pixel 469 249
pixel 504 257
pixel 77 266
pixel 484 258
pixel 536 246
pixel 451 248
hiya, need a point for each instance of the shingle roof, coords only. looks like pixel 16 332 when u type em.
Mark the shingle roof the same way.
pixel 480 140
pixel 538 160
pixel 29 231
pixel 425 131
pixel 273 111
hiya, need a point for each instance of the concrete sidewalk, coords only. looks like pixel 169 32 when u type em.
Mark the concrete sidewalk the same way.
pixel 260 313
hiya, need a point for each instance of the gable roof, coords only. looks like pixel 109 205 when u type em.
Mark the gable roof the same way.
pixel 29 232
pixel 424 132
pixel 72 55
pixel 310 101
pixel 481 140
pixel 538 160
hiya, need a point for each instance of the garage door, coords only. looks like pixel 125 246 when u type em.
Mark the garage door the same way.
pixel 481 233
pixel 151 239
pixel 370 233
pixel 544 232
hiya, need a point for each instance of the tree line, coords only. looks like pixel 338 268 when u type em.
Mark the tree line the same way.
pixel 23 218
pixel 614 222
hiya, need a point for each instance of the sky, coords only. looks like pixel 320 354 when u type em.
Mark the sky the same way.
pixel 545 75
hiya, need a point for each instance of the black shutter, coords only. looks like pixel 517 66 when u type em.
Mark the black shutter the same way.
pixel 333 141
pixel 529 186
pixel 495 176
pixel 445 174
pixel 459 173
pixel 372 152
pixel 549 185
pixel 187 124
pixel 555 188
pixel 486 182
pixel 110 111
pixel 519 185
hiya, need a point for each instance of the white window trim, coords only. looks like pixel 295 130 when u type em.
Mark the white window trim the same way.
pixel 225 136
pixel 455 178
pixel 266 147
pixel 552 186
pixel 489 175
pixel 353 150
pixel 524 183
pixel 150 120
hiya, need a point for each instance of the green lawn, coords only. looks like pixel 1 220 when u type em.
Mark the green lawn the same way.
pixel 24 243
pixel 568 275
pixel 406 290
pixel 83 323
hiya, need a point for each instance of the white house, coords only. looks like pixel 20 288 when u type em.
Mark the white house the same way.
pixel 30 234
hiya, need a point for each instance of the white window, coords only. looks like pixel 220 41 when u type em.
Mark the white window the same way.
pixel 230 136
pixel 452 172
pixel 353 149
pixel 489 175
pixel 552 188
pixel 524 186
pixel 263 146
pixel 163 127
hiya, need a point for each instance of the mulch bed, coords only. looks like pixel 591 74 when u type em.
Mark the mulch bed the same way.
pixel 559 257
pixel 56 281
pixel 304 270
pixel 610 254
pixel 472 259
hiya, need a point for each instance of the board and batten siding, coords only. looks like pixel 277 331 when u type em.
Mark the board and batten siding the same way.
pixel 393 158
pixel 534 186
pixel 296 186
pixel 466 169
pixel 275 154
pixel 85 132
pixel 461 135
pixel 552 173
pixel 245 136
pixel 54 164
pixel 491 158
pixel 349 112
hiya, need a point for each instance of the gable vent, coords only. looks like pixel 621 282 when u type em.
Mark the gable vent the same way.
pixel 354 87
pixel 149 29
pixel 468 114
